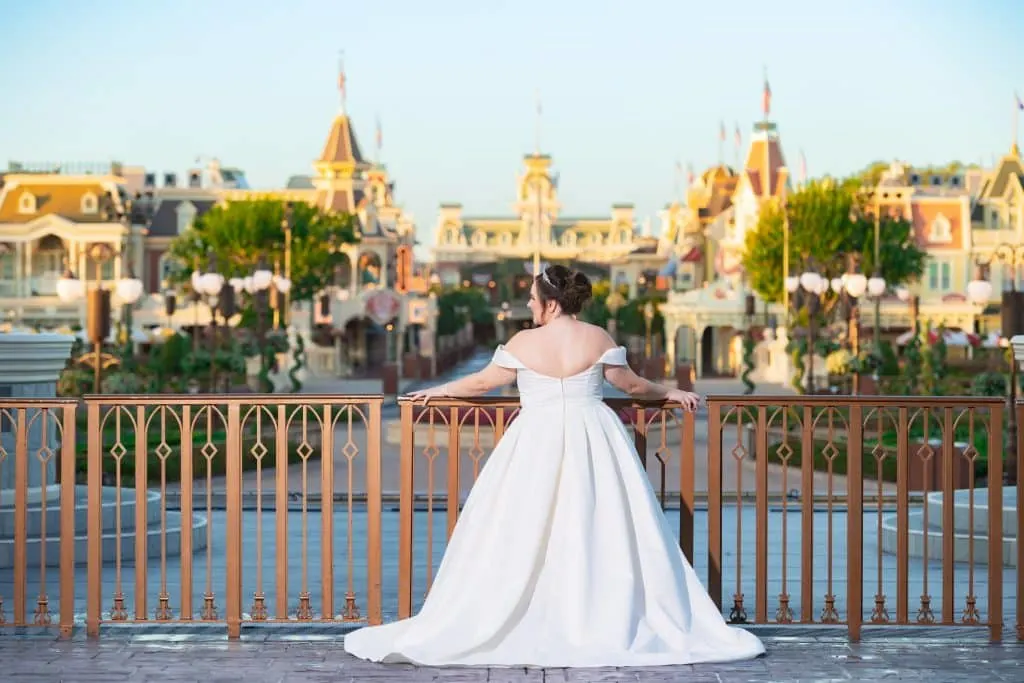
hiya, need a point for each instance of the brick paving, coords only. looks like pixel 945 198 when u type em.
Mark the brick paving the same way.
pixel 294 658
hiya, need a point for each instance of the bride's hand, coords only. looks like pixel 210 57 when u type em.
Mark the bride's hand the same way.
pixel 689 400
pixel 425 395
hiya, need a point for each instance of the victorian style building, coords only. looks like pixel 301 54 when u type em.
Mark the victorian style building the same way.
pixel 960 218
pixel 537 223
pixel 51 217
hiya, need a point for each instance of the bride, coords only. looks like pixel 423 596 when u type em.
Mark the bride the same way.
pixel 562 556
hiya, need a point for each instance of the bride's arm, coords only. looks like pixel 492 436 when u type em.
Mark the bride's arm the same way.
pixel 624 379
pixel 479 383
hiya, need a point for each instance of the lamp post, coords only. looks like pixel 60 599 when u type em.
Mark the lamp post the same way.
pixel 208 287
pixel 853 286
pixel 137 211
pixel 649 311
pixel 979 292
pixel 806 291
pixel 69 289
pixel 614 302
pixel 283 285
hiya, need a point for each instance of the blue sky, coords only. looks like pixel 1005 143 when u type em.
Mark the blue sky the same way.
pixel 627 87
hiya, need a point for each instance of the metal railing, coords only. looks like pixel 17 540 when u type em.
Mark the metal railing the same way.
pixel 863 511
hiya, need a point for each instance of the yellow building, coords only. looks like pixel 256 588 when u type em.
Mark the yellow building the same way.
pixel 537 223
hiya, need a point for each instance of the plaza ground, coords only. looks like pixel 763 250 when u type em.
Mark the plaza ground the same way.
pixel 812 655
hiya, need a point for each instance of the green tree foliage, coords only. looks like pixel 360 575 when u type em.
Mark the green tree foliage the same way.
pixel 828 221
pixel 459 305
pixel 240 233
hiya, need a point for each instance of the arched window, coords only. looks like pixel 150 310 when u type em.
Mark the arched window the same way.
pixel 27 203
pixel 90 204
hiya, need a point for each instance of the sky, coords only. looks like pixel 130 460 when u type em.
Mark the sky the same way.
pixel 627 88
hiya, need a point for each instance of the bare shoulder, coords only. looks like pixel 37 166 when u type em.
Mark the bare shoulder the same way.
pixel 597 336
pixel 520 339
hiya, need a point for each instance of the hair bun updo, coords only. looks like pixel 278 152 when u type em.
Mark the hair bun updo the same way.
pixel 571 289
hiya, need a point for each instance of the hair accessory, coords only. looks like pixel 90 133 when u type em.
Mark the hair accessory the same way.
pixel 544 276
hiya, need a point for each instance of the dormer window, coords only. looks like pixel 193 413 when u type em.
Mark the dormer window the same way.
pixel 941 230
pixel 186 214
pixel 27 203
pixel 569 239
pixel 90 204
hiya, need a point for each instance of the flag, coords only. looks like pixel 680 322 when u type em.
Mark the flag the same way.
pixel 766 103
pixel 803 168
pixel 341 77
pixel 679 166
pixel 721 131
pixel 739 136
pixel 380 135
pixel 689 174
pixel 1020 102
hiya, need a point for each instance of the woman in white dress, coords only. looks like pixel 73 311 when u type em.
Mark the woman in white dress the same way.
pixel 562 556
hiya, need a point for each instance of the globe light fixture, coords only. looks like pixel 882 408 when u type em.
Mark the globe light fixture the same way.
pixel 876 286
pixel 856 284
pixel 979 291
pixel 128 289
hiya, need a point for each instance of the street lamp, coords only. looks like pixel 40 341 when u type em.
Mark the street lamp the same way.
pixel 137 211
pixel 209 286
pixel 913 299
pixel 614 302
pixel 649 311
pixel 854 285
pixel 807 290
pixel 97 302
pixel 979 292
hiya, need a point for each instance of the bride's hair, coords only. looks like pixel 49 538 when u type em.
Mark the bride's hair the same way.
pixel 569 288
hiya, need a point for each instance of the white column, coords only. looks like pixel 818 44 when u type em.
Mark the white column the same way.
pixel 27 284
pixel 698 356
pixel 671 327
pixel 19 269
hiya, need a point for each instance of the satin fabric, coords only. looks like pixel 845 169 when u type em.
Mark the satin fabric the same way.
pixel 562 556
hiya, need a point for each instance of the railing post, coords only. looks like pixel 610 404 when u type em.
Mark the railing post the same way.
pixel 233 524
pixel 855 523
pixel 21 515
pixel 1020 521
pixel 374 559
pixel 687 485
pixel 715 501
pixel 995 527
pixel 405 511
pixel 68 434
pixel 761 516
pixel 327 513
pixel 94 515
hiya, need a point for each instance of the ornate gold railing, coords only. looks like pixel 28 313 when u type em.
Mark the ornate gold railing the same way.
pixel 871 511
pixel 874 515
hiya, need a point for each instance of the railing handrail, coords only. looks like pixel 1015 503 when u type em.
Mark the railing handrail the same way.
pixel 207 399
pixel 832 401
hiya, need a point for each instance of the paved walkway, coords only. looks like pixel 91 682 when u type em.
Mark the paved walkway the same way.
pixel 296 659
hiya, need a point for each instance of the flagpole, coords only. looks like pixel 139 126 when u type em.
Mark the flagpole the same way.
pixel 1017 106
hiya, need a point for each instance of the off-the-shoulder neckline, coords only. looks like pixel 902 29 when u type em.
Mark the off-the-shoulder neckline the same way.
pixel 501 347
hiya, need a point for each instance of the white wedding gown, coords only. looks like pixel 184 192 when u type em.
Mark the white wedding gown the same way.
pixel 562 556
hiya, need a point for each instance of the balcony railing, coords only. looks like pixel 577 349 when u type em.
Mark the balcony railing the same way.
pixel 870 511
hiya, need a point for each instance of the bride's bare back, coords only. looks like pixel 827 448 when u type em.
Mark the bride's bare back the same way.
pixel 562 348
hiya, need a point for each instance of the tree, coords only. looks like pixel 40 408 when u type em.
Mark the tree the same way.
pixel 828 222
pixel 239 234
